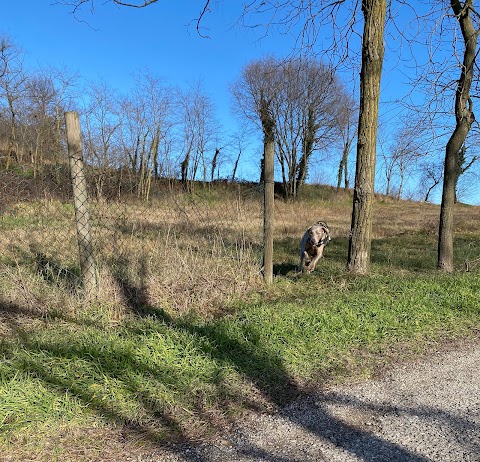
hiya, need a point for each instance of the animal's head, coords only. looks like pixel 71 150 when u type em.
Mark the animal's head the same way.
pixel 320 234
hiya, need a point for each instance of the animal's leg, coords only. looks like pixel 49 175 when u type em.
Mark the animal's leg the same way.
pixel 315 259
pixel 302 258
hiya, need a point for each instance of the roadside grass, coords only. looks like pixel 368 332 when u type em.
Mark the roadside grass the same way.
pixel 87 380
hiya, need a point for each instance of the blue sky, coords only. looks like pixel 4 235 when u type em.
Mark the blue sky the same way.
pixel 114 42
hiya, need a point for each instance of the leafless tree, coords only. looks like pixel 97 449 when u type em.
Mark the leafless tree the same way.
pixel 102 122
pixel 348 134
pixel 13 81
pixel 307 105
pixel 467 18
pixel 312 111
pixel 238 144
pixel 198 126
pixel 38 121
pixel 39 125
pixel 146 131
pixel 403 154
pixel 158 103
pixel 431 177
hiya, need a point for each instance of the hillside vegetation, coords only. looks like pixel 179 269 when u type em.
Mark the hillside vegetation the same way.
pixel 181 343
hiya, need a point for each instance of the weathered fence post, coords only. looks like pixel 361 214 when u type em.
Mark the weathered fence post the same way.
pixel 268 204
pixel 80 199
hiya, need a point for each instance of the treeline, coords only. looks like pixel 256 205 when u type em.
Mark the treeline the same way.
pixel 162 131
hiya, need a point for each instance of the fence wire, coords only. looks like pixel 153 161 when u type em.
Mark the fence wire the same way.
pixel 175 248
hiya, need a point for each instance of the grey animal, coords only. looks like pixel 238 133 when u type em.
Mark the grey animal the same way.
pixel 312 244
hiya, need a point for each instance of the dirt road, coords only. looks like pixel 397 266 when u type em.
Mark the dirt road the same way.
pixel 428 410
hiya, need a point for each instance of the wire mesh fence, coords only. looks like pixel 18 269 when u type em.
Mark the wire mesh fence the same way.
pixel 141 240
pixel 176 249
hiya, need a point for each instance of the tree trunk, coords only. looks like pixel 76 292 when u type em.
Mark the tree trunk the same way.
pixel 307 151
pixel 374 12
pixel 343 166
pixel 154 152
pixel 214 164
pixel 11 154
pixel 464 119
pixel 268 126
pixel 235 166
pixel 184 167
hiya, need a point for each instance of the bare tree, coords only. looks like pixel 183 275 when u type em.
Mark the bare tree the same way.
pixel 12 88
pixel 254 93
pixel 402 155
pixel 307 104
pixel 102 122
pixel 312 111
pixel 464 13
pixel 158 98
pixel 38 121
pixel 238 144
pixel 146 131
pixel 431 177
pixel 198 130
pixel 348 134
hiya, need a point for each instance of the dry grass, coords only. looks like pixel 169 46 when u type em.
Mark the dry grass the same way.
pixel 97 378
pixel 180 252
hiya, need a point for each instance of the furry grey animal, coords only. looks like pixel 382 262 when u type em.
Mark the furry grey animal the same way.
pixel 312 244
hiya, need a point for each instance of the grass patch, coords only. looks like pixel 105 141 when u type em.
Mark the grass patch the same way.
pixel 86 380
pixel 168 378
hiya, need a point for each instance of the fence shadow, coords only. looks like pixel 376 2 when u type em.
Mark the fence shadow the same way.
pixel 55 273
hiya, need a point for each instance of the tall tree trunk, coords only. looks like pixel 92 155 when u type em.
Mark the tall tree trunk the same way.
pixel 11 138
pixel 154 152
pixel 374 12
pixel 184 168
pixel 464 119
pixel 214 164
pixel 307 151
pixel 268 125
pixel 235 166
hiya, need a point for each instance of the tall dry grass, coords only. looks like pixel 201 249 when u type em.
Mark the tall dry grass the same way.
pixel 179 252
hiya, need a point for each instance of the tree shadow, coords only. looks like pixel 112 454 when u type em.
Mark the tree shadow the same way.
pixel 266 370
pixel 284 269
pixel 242 347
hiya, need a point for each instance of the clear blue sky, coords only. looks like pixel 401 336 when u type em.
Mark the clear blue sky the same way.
pixel 114 42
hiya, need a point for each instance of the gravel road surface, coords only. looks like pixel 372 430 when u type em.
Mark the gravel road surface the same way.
pixel 428 410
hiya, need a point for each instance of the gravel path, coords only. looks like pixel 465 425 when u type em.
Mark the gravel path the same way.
pixel 428 410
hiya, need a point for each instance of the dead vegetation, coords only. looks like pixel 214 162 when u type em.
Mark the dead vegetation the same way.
pixel 181 252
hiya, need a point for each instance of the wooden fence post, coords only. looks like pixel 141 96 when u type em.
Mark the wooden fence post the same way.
pixel 80 199
pixel 268 204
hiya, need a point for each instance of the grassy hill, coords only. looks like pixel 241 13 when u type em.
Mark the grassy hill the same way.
pixel 183 337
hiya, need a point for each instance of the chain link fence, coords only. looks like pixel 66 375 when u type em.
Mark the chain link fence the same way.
pixel 176 249
pixel 139 241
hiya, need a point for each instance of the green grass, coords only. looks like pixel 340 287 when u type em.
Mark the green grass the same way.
pixel 155 376
pixel 169 377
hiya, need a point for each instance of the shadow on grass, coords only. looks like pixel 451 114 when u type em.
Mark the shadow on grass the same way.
pixel 284 269
pixel 57 358
pixel 414 252
pixel 55 273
